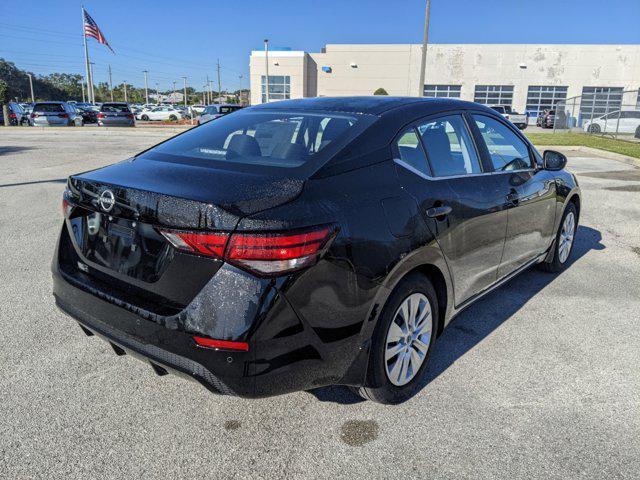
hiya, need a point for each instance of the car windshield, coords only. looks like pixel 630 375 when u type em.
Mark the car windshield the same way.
pixel 115 108
pixel 48 107
pixel 278 139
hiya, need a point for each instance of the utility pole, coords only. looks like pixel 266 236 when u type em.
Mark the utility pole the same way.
pixel 184 79
pixel 208 91
pixel 33 98
pixel 110 84
pixel 173 93
pixel 157 93
pixel 240 91
pixel 146 87
pixel 423 59
pixel 125 91
pixel 204 101
pixel 219 85
pixel 266 69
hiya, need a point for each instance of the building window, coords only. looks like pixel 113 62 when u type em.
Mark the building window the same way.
pixel 442 91
pixel 541 98
pixel 494 94
pixel 598 101
pixel 279 87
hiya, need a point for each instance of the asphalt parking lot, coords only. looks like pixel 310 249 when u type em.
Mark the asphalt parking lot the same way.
pixel 540 379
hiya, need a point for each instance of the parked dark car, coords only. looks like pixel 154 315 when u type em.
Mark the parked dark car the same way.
pixel 310 242
pixel 115 114
pixel 89 115
pixel 546 118
pixel 17 115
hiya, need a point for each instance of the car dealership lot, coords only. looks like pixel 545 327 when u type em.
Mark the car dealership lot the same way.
pixel 538 380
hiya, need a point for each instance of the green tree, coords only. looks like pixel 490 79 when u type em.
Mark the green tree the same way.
pixel 70 84
pixel 380 91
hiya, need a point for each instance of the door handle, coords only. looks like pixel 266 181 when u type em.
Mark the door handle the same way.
pixel 439 212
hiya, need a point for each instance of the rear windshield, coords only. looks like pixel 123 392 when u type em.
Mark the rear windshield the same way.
pixel 278 139
pixel 48 107
pixel 114 108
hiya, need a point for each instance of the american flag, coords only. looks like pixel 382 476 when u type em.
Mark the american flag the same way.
pixel 91 30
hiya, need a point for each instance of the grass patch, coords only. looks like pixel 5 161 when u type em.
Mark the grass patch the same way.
pixel 624 147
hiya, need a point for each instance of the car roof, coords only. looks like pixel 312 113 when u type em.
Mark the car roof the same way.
pixel 374 105
pixel 53 101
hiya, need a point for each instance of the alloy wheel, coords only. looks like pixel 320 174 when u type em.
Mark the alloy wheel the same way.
pixel 408 339
pixel 566 237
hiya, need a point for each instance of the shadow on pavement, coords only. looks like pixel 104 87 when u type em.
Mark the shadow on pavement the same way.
pixel 7 150
pixel 471 326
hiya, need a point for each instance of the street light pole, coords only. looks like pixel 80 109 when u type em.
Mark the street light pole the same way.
pixel 146 87
pixel 33 98
pixel 173 93
pixel 184 79
pixel 423 59
pixel 266 69
pixel 240 91
pixel 110 84
pixel 219 85
pixel 157 93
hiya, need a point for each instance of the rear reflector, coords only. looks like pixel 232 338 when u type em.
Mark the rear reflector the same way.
pixel 221 344
pixel 262 253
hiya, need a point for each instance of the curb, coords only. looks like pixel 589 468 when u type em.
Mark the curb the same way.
pixel 595 152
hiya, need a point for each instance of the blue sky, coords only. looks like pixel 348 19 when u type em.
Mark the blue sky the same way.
pixel 171 39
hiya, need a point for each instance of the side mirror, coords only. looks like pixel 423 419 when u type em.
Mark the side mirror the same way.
pixel 553 160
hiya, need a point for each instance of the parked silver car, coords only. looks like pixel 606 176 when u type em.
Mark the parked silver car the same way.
pixel 60 114
pixel 211 112
pixel 115 114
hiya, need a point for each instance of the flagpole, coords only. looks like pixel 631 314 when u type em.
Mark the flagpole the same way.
pixel 86 63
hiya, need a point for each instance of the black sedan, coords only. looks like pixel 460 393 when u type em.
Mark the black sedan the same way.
pixel 310 242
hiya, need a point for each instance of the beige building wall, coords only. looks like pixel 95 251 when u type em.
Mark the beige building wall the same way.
pixel 361 69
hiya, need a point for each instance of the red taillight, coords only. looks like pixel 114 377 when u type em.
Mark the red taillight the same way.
pixel 63 115
pixel 102 115
pixel 66 207
pixel 33 115
pixel 221 344
pixel 262 253
pixel 129 115
pixel 12 115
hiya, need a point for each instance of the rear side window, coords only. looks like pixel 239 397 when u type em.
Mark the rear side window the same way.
pixel 114 108
pixel 507 150
pixel 449 147
pixel 228 109
pixel 279 139
pixel 411 151
pixel 48 107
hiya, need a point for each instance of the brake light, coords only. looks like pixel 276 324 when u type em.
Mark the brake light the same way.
pixel 221 344
pixel 129 115
pixel 63 115
pixel 102 115
pixel 66 207
pixel 261 253
pixel 12 115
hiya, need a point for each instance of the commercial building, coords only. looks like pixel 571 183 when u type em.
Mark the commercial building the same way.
pixel 526 77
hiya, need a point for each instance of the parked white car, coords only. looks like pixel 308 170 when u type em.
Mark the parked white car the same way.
pixel 160 113
pixel 198 108
pixel 625 121
pixel 214 111
pixel 518 119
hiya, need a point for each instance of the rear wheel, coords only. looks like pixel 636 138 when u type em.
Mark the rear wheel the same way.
pixel 564 240
pixel 594 128
pixel 173 118
pixel 402 342
pixel 637 135
pixel 145 118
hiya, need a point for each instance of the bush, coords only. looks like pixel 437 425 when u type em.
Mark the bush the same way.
pixel 380 91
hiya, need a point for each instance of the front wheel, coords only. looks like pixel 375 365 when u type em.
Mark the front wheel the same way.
pixel 637 135
pixel 594 128
pixel 402 342
pixel 173 118
pixel 564 240
pixel 145 118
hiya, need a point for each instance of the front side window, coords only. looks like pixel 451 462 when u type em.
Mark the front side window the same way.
pixel 411 151
pixel 277 139
pixel 507 150
pixel 449 147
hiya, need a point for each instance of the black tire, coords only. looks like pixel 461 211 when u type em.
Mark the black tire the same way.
pixel 594 128
pixel 173 118
pixel 637 135
pixel 379 388
pixel 555 265
pixel 145 118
